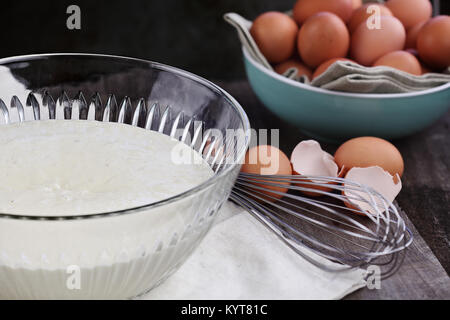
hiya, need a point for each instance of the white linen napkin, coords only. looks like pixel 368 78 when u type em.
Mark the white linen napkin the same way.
pixel 240 259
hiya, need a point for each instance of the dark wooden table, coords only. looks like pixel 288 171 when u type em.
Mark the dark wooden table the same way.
pixel 424 200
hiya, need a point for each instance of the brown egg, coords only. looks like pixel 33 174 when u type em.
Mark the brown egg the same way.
pixel 410 12
pixel 357 4
pixel 322 37
pixel 303 9
pixel 302 70
pixel 324 66
pixel 275 33
pixel 400 60
pixel 370 44
pixel 267 160
pixel 411 36
pixel 366 152
pixel 363 13
pixel 433 42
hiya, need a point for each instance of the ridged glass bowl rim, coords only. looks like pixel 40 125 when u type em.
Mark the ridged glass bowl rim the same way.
pixel 308 87
pixel 153 65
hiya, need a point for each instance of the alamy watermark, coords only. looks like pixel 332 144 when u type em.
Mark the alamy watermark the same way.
pixel 73 281
pixel 373 277
pixel 73 21
pixel 374 21
pixel 227 147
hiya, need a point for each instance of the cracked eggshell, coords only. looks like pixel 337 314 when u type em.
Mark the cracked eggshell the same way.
pixel 309 159
pixel 378 179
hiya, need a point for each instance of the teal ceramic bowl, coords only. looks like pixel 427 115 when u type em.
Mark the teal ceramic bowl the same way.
pixel 336 116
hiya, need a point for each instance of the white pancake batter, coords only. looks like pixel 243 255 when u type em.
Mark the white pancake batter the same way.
pixel 58 168
pixel 81 167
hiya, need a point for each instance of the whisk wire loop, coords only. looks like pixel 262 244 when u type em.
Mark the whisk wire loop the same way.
pixel 329 220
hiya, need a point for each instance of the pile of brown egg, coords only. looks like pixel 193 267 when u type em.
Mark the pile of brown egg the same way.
pixel 399 33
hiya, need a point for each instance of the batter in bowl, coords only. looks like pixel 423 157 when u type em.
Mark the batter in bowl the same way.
pixel 77 168
pixel 84 167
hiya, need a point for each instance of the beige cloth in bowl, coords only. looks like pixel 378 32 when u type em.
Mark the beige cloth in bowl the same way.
pixel 352 77
pixel 346 76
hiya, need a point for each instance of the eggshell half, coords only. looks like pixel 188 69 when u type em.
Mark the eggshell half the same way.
pixel 378 179
pixel 309 159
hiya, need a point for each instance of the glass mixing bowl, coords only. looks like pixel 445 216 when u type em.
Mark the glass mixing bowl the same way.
pixel 130 251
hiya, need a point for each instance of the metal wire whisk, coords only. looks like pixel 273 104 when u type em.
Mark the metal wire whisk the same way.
pixel 324 223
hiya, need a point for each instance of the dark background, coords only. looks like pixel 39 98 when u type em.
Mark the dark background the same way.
pixel 190 34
